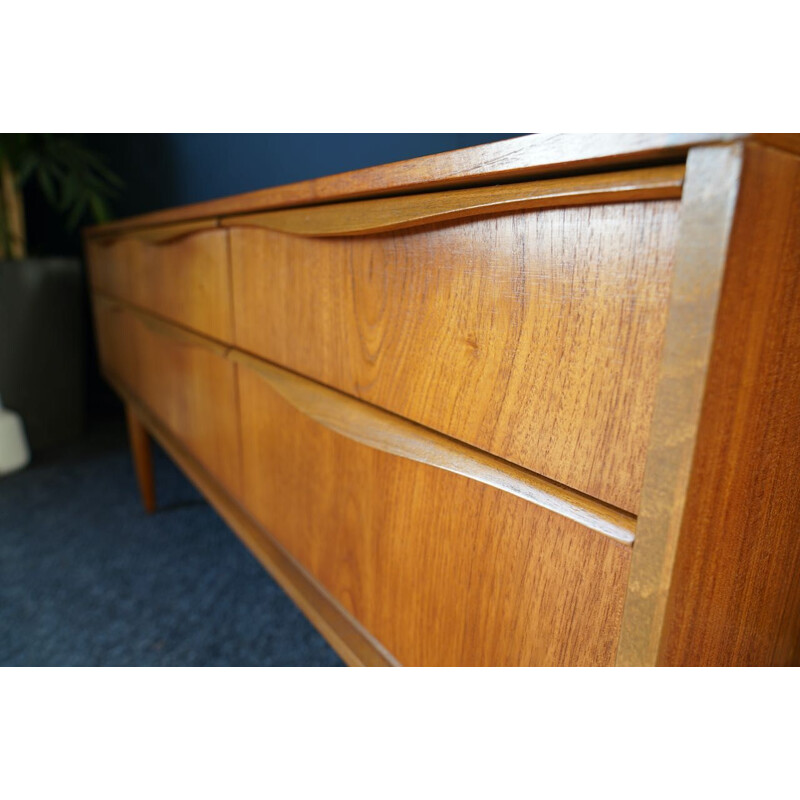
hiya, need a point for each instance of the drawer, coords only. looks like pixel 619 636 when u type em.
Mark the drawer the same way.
pixel 116 345
pixel 180 273
pixel 183 379
pixel 534 334
pixel 411 534
pixel 109 265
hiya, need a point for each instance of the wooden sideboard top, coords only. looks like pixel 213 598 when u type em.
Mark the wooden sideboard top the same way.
pixel 535 156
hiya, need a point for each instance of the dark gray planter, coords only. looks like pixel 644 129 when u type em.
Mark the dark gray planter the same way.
pixel 43 347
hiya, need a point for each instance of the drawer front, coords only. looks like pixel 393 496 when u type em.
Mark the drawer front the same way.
pixel 109 266
pixel 533 335
pixel 184 277
pixel 116 345
pixel 184 380
pixel 442 569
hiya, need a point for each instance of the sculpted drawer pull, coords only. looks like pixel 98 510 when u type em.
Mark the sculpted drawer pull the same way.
pixel 108 305
pixel 387 214
pixel 178 335
pixel 161 235
pixel 160 327
pixel 382 430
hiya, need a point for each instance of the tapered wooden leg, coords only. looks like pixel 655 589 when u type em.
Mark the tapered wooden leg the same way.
pixel 142 459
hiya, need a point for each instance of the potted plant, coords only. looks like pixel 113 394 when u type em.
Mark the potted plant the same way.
pixel 42 299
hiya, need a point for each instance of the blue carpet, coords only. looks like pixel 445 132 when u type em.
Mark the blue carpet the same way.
pixel 87 578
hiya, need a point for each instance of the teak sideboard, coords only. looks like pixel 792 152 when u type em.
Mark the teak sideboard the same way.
pixel 530 403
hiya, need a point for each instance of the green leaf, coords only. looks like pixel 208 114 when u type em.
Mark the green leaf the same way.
pixel 26 168
pixel 70 189
pixel 99 208
pixel 75 215
pixel 46 182
pixel 72 178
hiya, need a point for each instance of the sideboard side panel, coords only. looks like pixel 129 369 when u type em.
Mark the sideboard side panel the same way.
pixel 735 595
pixel 707 210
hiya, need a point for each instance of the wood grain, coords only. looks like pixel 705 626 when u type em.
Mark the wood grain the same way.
pixel 184 379
pixel 116 347
pixel 588 351
pixel 389 433
pixel 157 234
pixel 184 279
pixel 142 459
pixel 735 593
pixel 388 214
pixel 441 569
pixel 709 198
pixel 345 635
pixel 534 335
pixel 191 387
pixel 523 158
pixel 175 333
pixel 110 268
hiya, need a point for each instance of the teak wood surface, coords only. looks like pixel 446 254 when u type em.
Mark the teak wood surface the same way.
pixel 532 335
pixel 355 645
pixel 710 193
pixel 184 277
pixel 389 214
pixel 432 416
pixel 443 570
pixel 116 348
pixel 382 430
pixel 561 546
pixel 522 158
pixel 735 597
pixel 142 459
pixel 184 379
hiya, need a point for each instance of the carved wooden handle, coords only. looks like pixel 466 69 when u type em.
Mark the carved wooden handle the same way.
pixel 382 430
pixel 388 214
pixel 178 335
pixel 160 235
pixel 107 304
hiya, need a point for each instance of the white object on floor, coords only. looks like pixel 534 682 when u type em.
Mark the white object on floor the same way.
pixel 14 451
